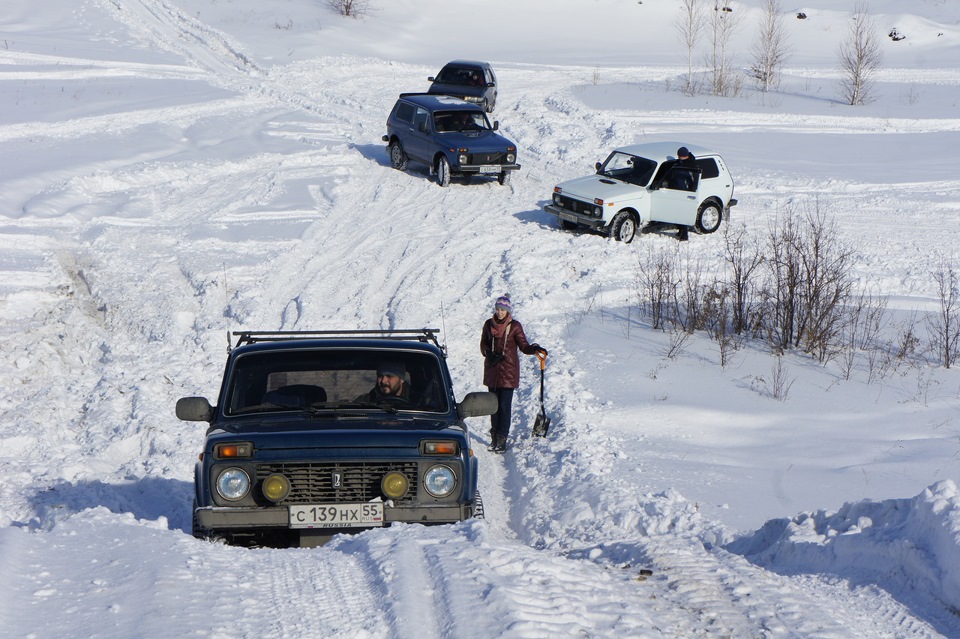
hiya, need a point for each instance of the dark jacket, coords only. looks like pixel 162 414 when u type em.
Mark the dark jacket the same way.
pixel 506 372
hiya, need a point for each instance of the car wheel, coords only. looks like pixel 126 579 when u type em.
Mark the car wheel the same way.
pixel 504 178
pixel 443 171
pixel 398 159
pixel 708 218
pixel 623 228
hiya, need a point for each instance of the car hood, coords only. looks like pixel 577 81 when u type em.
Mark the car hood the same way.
pixel 591 187
pixel 477 141
pixel 457 89
pixel 367 435
pixel 327 422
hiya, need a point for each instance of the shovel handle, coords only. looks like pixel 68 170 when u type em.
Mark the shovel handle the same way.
pixel 543 359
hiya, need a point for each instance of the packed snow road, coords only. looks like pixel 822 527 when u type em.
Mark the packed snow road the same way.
pixel 262 198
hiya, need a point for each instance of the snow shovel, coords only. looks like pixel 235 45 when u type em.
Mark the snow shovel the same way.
pixel 542 424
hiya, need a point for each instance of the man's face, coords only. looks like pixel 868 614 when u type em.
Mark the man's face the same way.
pixel 389 384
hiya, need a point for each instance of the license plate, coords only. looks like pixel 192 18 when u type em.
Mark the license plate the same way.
pixel 569 217
pixel 337 515
pixel 489 169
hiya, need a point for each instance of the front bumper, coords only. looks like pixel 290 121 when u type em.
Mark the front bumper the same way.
pixel 220 518
pixel 589 221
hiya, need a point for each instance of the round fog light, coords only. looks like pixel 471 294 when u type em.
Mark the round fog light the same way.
pixel 276 488
pixel 394 485
pixel 233 484
pixel 439 481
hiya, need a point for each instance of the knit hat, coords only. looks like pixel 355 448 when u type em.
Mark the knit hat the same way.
pixel 392 367
pixel 503 302
pixel 682 152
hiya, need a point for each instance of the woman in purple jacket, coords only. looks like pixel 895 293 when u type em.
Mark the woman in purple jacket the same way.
pixel 501 339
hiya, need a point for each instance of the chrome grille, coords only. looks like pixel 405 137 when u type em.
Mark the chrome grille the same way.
pixel 312 483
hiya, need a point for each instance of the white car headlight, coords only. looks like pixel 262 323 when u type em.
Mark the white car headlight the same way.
pixel 233 484
pixel 439 481
pixel 511 158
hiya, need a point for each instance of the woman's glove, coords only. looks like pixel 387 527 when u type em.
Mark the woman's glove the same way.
pixel 539 348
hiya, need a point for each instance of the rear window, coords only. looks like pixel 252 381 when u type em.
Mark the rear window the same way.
pixel 708 168
pixel 405 112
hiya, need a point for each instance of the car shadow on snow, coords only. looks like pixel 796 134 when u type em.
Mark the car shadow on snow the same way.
pixel 549 221
pixel 148 498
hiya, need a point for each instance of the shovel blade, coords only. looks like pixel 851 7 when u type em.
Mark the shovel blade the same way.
pixel 541 425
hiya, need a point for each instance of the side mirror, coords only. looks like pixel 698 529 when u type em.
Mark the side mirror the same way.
pixel 496 125
pixel 597 166
pixel 194 409
pixel 477 405
pixel 431 79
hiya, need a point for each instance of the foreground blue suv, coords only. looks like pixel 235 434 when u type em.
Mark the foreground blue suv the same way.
pixel 304 442
pixel 451 136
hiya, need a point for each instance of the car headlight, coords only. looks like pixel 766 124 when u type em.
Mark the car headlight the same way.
pixel 598 211
pixel 511 158
pixel 463 159
pixel 394 485
pixel 276 488
pixel 439 481
pixel 233 484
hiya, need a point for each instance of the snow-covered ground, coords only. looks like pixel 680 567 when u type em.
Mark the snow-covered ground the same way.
pixel 174 170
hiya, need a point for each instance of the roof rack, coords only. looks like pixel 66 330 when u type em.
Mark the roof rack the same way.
pixel 411 334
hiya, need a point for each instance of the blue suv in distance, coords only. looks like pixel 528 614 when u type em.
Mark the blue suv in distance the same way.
pixel 305 443
pixel 452 137
pixel 468 80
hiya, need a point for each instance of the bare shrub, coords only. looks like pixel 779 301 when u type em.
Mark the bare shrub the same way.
pixel 350 8
pixel 656 284
pixel 944 324
pixel 809 282
pixel 743 258
pixel 770 49
pixel 780 381
pixel 860 57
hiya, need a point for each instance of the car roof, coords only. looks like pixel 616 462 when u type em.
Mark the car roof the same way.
pixel 436 101
pixel 468 63
pixel 659 150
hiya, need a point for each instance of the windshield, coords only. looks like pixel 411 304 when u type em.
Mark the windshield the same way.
pixel 460 121
pixel 628 168
pixel 461 76
pixel 327 379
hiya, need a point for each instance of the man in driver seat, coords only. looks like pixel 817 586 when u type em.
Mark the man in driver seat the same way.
pixel 391 383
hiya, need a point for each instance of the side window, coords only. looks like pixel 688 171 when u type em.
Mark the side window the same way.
pixel 708 168
pixel 682 179
pixel 421 118
pixel 405 112
pixel 489 76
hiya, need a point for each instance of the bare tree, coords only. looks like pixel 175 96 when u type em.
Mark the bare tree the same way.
pixel 945 323
pixel 350 8
pixel 690 26
pixel 721 25
pixel 770 49
pixel 860 57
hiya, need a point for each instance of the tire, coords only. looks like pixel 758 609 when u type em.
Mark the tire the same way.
pixel 478 507
pixel 708 218
pixel 504 177
pixel 398 158
pixel 443 171
pixel 623 228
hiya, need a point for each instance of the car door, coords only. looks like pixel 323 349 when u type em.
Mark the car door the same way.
pixel 675 199
pixel 418 143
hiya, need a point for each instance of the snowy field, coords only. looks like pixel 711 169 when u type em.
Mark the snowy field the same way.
pixel 174 170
